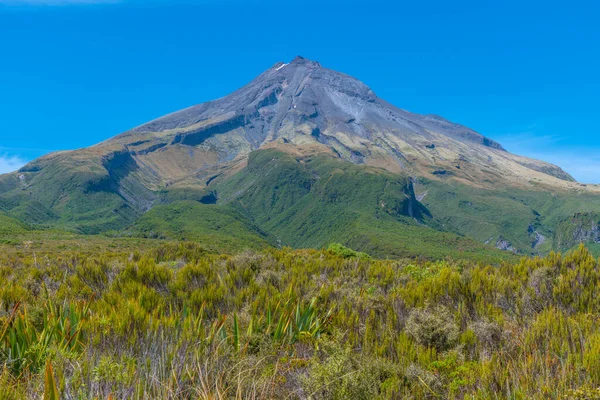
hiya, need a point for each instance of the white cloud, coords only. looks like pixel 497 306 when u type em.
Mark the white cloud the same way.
pixel 10 163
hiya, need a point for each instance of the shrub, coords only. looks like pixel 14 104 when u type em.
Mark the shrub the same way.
pixel 182 323
pixel 345 252
pixel 432 327
pixel 341 374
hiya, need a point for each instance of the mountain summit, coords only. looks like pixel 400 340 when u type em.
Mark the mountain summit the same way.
pixel 305 104
pixel 293 112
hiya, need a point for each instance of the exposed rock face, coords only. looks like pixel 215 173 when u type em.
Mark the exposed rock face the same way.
pixel 504 244
pixel 587 234
pixel 581 228
pixel 537 238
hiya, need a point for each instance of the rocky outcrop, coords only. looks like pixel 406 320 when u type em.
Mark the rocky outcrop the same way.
pixel 503 244
pixel 198 136
pixel 549 169
pixel 537 238
pixel 461 132
pixel 580 228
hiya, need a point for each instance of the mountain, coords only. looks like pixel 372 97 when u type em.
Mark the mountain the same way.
pixel 303 156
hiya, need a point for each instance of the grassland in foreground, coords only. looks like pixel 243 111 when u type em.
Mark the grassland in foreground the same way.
pixel 177 321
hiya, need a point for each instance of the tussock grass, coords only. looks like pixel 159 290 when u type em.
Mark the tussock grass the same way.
pixel 178 322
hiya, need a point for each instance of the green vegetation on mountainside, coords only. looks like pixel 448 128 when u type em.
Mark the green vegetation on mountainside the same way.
pixel 218 227
pixel 318 200
pixel 81 195
pixel 11 226
pixel 177 322
pixel 512 214
pixel 299 202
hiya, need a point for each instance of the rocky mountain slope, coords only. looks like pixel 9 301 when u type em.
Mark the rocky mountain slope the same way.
pixel 305 104
pixel 306 112
pixel 580 228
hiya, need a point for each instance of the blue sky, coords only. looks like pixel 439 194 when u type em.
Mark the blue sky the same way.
pixel 76 72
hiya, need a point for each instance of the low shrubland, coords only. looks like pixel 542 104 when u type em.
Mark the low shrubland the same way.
pixel 177 321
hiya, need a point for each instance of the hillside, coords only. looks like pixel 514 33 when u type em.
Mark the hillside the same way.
pixel 218 227
pixel 11 226
pixel 316 200
pixel 582 227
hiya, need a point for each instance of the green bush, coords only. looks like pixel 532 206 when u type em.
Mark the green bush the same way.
pixel 345 252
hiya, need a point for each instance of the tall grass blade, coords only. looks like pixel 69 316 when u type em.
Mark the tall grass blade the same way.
pixel 50 388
